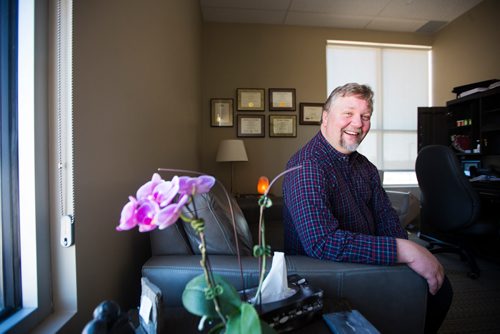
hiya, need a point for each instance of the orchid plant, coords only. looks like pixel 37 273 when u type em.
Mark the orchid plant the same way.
pixel 159 204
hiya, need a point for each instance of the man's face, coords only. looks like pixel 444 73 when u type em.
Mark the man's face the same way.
pixel 346 124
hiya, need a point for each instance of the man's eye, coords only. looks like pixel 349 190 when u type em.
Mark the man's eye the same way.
pixel 366 117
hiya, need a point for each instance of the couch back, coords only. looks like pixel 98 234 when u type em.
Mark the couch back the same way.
pixel 226 228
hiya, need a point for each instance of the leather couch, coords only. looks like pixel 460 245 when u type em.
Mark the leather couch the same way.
pixel 392 298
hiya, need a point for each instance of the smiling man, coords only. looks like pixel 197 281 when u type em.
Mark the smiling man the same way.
pixel 336 208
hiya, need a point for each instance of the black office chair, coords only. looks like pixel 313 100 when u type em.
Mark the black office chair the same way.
pixel 450 214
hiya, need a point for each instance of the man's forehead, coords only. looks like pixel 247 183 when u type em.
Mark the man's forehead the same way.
pixel 351 102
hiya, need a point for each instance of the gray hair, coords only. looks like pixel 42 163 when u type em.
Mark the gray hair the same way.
pixel 363 92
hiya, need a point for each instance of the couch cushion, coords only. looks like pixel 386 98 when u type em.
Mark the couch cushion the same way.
pixel 215 209
pixel 170 241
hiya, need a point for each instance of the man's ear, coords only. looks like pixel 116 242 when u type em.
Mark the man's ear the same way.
pixel 324 118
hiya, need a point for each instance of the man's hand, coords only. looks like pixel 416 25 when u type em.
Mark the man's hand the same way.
pixel 420 260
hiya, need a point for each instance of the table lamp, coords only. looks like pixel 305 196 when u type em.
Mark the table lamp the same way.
pixel 231 150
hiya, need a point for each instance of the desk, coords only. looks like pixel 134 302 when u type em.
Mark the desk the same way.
pixel 487 189
pixel 489 192
pixel 272 216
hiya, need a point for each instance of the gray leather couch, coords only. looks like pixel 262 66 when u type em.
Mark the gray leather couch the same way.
pixel 392 298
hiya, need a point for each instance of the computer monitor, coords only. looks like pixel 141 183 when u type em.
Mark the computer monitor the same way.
pixel 467 164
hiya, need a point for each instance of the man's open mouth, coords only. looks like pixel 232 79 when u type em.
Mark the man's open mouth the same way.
pixel 352 133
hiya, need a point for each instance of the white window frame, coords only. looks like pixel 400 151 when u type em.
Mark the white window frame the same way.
pixel 48 269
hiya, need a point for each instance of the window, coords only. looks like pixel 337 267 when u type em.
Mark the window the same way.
pixel 28 294
pixel 10 296
pixel 400 78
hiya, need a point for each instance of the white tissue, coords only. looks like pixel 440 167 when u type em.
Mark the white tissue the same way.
pixel 275 285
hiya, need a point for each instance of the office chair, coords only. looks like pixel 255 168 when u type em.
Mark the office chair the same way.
pixel 450 218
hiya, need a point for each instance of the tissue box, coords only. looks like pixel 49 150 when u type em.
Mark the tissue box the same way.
pixel 292 312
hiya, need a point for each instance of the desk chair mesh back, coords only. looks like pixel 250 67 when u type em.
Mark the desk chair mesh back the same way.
pixel 450 206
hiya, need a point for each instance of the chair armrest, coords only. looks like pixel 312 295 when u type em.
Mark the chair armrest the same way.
pixel 393 298
pixel 406 205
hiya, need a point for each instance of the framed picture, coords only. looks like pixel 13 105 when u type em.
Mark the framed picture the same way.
pixel 251 126
pixel 310 113
pixel 251 99
pixel 282 126
pixel 221 112
pixel 282 99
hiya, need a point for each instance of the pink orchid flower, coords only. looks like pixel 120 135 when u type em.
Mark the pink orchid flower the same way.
pixel 166 191
pixel 147 189
pixel 127 219
pixel 171 213
pixel 154 204
pixel 196 185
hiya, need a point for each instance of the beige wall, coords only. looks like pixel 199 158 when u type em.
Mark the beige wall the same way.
pixel 264 56
pixel 467 51
pixel 137 73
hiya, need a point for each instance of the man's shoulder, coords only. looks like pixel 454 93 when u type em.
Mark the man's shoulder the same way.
pixel 311 152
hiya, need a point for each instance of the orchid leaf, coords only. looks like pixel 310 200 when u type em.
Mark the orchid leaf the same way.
pixel 195 301
pixel 245 321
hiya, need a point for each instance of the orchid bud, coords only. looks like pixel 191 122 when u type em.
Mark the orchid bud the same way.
pixel 262 185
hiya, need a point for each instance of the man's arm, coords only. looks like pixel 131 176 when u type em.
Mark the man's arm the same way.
pixel 423 262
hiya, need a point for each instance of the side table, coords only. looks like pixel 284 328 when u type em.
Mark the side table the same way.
pixel 250 207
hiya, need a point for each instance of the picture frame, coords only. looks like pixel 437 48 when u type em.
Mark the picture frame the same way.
pixel 251 99
pixel 221 112
pixel 282 99
pixel 282 126
pixel 251 126
pixel 310 113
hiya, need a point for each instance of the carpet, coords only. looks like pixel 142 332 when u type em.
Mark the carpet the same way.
pixel 476 302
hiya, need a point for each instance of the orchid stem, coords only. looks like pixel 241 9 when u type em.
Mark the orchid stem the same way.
pixel 262 238
pixel 209 278
pixel 262 257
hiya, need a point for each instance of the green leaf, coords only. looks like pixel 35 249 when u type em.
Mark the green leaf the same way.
pixel 246 321
pixel 195 301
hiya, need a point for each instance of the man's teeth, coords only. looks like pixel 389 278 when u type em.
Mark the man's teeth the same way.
pixel 352 133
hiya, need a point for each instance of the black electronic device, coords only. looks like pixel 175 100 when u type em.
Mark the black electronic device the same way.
pixel 292 312
pixel 471 167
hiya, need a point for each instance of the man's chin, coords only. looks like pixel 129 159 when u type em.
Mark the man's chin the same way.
pixel 350 147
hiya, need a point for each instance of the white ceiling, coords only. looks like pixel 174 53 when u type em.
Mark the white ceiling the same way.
pixel 425 16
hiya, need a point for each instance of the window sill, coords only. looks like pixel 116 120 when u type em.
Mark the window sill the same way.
pixel 54 322
pixel 15 320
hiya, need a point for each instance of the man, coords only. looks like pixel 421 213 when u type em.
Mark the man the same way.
pixel 336 208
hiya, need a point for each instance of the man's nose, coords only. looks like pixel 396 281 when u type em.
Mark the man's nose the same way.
pixel 356 121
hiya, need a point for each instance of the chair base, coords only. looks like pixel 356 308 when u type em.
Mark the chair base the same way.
pixel 437 246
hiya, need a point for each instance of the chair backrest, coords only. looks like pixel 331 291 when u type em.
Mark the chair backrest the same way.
pixel 448 200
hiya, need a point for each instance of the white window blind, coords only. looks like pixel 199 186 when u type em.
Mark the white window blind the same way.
pixel 400 78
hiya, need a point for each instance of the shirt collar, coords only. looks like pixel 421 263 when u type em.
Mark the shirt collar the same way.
pixel 333 152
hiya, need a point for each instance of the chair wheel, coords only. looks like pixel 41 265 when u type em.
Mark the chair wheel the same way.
pixel 473 275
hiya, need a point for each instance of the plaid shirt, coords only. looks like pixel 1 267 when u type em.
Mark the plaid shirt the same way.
pixel 335 207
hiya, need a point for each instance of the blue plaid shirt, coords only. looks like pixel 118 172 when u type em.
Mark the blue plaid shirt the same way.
pixel 335 207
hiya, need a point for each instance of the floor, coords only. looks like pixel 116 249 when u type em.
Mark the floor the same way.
pixel 476 302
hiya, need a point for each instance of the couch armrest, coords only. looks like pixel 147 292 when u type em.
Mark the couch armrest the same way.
pixel 393 298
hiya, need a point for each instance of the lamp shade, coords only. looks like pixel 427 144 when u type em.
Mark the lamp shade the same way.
pixel 231 150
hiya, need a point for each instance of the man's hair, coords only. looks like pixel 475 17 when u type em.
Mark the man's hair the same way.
pixel 363 92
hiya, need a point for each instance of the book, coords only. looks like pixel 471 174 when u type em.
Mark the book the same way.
pixel 347 322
